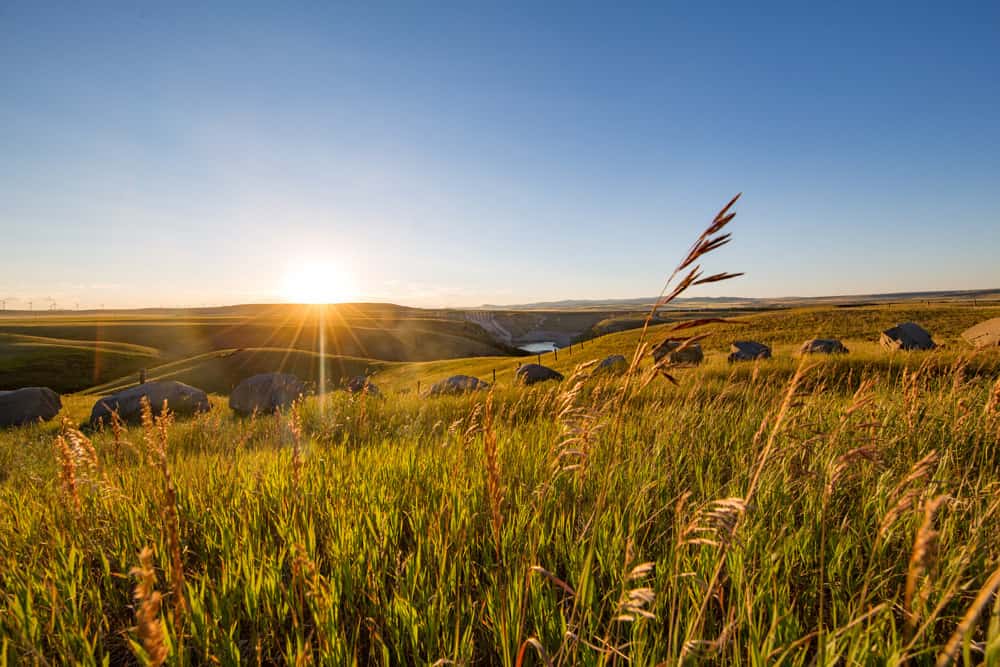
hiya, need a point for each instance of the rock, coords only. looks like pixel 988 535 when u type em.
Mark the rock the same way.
pixel 691 355
pixel 748 350
pixel 265 393
pixel 458 384
pixel 907 336
pixel 28 405
pixel 616 364
pixel 532 373
pixel 984 334
pixel 823 346
pixel 360 383
pixel 182 400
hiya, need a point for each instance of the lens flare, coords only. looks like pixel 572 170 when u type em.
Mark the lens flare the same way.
pixel 318 282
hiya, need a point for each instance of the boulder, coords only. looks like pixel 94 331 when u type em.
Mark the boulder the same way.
pixel 616 364
pixel 691 355
pixel 265 393
pixel 907 336
pixel 823 346
pixel 28 405
pixel 360 383
pixel 182 400
pixel 984 334
pixel 458 384
pixel 748 350
pixel 532 373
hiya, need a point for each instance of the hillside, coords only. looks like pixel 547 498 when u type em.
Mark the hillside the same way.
pixel 778 511
pixel 74 352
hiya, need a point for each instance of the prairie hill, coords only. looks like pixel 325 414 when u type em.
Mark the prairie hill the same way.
pixel 783 330
pixel 70 352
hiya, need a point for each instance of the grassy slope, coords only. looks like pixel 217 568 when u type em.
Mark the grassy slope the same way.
pixel 381 548
pixel 66 364
pixel 784 330
pixel 71 353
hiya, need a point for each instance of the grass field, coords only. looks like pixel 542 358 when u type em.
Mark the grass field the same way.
pixel 838 513
pixel 75 352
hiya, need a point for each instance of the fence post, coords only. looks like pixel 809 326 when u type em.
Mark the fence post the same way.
pixel 418 387
pixel 555 353
pixel 494 376
pixel 539 358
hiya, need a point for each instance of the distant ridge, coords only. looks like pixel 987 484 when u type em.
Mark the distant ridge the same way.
pixel 787 301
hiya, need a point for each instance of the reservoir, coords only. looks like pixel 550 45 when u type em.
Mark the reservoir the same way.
pixel 539 348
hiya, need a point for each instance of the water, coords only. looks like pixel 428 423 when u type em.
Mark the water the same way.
pixel 539 348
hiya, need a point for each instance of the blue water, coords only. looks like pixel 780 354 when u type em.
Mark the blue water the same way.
pixel 539 348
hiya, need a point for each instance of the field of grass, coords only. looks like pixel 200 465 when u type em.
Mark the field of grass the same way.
pixel 841 512
pixel 75 352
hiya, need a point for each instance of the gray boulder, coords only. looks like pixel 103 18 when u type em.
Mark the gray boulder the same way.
pixel 907 336
pixel 181 399
pixel 748 350
pixel 265 393
pixel 823 346
pixel 360 383
pixel 28 405
pixel 616 364
pixel 690 355
pixel 984 334
pixel 458 384
pixel 532 373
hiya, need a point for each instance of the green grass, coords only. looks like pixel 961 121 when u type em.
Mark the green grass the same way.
pixel 76 352
pixel 421 530
pixel 65 364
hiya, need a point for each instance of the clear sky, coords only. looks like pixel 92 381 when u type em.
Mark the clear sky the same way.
pixel 473 153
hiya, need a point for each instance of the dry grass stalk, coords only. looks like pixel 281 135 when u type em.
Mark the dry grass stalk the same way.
pixel 295 427
pixel 80 445
pixel 845 466
pixel 156 435
pixel 921 559
pixel 714 524
pixel 947 656
pixel 147 612
pixel 709 240
pixel 992 407
pixel 532 642
pixel 493 485
pixel 579 422
pixel 67 472
pixel 908 490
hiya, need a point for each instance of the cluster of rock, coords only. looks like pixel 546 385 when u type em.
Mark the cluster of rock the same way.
pixel 360 384
pixel 265 393
pixel 985 334
pixel 678 352
pixel 616 364
pixel 907 336
pixel 529 374
pixel 458 384
pixel 28 405
pixel 823 346
pixel 182 399
pixel 748 350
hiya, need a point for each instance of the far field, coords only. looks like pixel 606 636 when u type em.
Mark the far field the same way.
pixel 216 348
pixel 836 510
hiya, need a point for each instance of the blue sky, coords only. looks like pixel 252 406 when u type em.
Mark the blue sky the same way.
pixel 472 153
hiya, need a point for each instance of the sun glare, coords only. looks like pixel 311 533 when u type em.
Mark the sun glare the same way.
pixel 318 282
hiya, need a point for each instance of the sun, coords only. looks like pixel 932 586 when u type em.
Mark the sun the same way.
pixel 318 282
